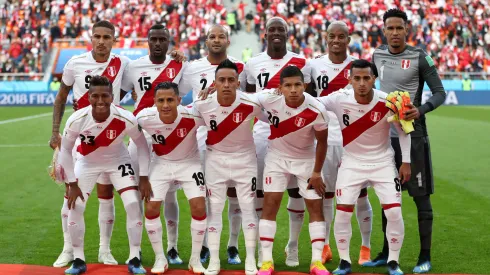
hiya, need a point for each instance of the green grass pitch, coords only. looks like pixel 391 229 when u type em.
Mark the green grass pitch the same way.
pixel 30 231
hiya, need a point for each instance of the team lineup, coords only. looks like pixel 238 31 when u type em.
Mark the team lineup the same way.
pixel 318 129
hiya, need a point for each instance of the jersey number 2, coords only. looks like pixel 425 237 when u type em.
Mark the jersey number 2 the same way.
pixel 123 167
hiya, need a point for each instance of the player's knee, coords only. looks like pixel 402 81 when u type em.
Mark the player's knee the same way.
pixel 329 195
pixel 393 213
pixel 260 193
pixel 152 209
pixel 294 193
pixel 198 207
pixel 131 201
pixel 105 191
pixel 363 193
pixel 231 192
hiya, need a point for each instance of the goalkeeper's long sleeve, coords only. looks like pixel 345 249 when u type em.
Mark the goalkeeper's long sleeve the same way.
pixel 405 142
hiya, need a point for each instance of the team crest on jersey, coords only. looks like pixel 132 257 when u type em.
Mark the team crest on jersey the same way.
pixel 111 70
pixel 182 132
pixel 171 72
pixel 405 64
pixel 375 116
pixel 111 134
pixel 299 122
pixel 347 73
pixel 237 117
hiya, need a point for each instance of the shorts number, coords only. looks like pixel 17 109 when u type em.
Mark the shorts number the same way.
pixel 145 83
pixel 158 139
pixel 87 81
pixel 322 81
pixel 199 178
pixel 345 118
pixel 204 82
pixel 266 79
pixel 123 167
pixel 213 125
pixel 254 184
pixel 90 140
pixel 398 186
pixel 274 120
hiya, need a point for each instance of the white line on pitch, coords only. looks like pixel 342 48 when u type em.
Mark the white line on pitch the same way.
pixel 25 118
pixel 22 145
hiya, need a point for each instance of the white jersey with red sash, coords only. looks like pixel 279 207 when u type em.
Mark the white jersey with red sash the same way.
pixel 293 129
pixel 79 70
pixel 199 74
pixel 365 128
pixel 143 76
pixel 101 142
pixel 175 141
pixel 229 126
pixel 329 77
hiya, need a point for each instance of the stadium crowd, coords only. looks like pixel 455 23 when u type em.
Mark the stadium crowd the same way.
pixel 455 35
pixel 30 27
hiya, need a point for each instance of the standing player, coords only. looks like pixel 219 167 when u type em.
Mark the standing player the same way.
pixel 77 74
pixel 263 72
pixel 367 160
pixel 199 75
pixel 329 74
pixel 101 128
pixel 142 76
pixel 405 68
pixel 296 120
pixel 230 160
pixel 175 163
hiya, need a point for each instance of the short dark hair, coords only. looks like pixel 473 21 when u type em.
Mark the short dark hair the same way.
pixel 291 71
pixel 104 24
pixel 98 80
pixel 167 85
pixel 395 13
pixel 158 27
pixel 227 64
pixel 362 63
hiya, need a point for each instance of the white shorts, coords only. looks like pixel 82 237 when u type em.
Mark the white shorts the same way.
pixel 103 178
pixel 119 172
pixel 169 176
pixel 278 173
pixel 225 170
pixel 331 167
pixel 353 176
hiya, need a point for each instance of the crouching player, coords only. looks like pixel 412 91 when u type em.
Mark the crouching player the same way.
pixel 101 128
pixel 175 163
pixel 368 160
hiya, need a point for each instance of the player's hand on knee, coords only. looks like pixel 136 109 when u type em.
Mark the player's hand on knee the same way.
pixel 178 56
pixel 134 96
pixel 55 141
pixel 405 172
pixel 75 105
pixel 316 182
pixel 203 94
pixel 145 189
pixel 74 193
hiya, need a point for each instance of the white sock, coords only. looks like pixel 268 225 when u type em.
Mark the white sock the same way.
pixel 155 233
pixel 171 213
pixel 343 232
pixel 76 228
pixel 64 225
pixel 234 221
pixel 106 222
pixel 249 224
pixel 198 230
pixel 259 204
pixel 317 237
pixel 395 232
pixel 215 226
pixel 364 214
pixel 267 231
pixel 328 215
pixel 134 221
pixel 296 210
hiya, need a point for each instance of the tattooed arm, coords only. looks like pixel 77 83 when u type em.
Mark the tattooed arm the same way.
pixel 58 111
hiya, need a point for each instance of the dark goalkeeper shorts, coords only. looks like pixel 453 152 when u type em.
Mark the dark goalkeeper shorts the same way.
pixel 422 182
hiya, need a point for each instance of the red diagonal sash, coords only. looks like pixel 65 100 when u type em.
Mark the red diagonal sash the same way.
pixel 368 120
pixel 110 72
pixel 293 124
pixel 105 138
pixel 275 80
pixel 229 124
pixel 168 74
pixel 176 137
pixel 338 82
